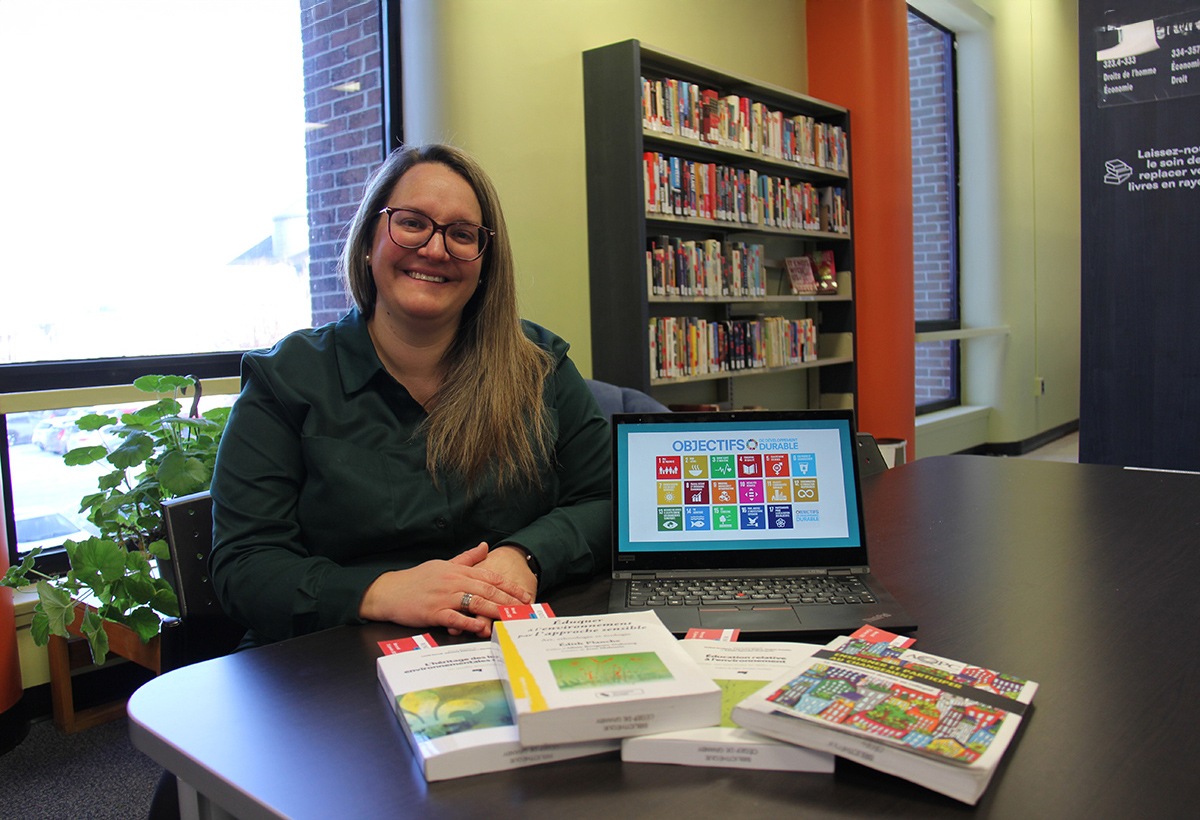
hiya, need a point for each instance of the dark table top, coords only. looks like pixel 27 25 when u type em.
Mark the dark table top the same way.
pixel 1080 577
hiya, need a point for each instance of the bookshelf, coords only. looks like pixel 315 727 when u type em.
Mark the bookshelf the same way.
pixel 753 201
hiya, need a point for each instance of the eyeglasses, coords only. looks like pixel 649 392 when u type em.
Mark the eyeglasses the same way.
pixel 465 241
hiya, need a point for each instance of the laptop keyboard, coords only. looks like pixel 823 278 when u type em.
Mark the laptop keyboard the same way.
pixel 797 591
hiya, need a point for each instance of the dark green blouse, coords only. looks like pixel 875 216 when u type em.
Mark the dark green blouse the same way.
pixel 321 485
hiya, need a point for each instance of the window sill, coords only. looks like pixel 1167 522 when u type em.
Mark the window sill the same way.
pixel 951 431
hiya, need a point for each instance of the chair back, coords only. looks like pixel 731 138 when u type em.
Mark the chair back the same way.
pixel 870 460
pixel 614 399
pixel 205 630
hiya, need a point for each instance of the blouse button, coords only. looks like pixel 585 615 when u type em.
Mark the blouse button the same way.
pixel 440 522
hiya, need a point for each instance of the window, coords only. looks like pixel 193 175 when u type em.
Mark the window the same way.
pixel 178 195
pixel 935 211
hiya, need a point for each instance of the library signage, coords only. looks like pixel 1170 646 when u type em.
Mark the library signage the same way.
pixel 1156 169
pixel 1154 59
pixel 1140 190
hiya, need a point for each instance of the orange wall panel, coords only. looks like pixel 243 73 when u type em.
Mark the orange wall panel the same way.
pixel 858 58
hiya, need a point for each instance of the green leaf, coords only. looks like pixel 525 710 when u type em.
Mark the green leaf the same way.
pixel 18 576
pixel 57 605
pixel 93 628
pixel 165 600
pixel 144 622
pixel 163 408
pixel 162 384
pixel 84 455
pixel 136 563
pixel 139 589
pixel 98 556
pixel 133 451
pixel 159 549
pixel 89 501
pixel 111 480
pixel 94 421
pixel 220 415
pixel 39 628
pixel 180 475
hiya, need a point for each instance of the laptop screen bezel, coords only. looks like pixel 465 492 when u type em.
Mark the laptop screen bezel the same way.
pixel 802 557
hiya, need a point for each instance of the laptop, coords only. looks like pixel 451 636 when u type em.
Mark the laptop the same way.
pixel 748 520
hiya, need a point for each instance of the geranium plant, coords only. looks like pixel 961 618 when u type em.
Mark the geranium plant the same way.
pixel 155 454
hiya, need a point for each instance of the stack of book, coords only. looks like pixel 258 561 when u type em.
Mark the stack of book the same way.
pixel 547 689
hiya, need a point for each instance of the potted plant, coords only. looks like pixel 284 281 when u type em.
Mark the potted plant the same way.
pixel 115 571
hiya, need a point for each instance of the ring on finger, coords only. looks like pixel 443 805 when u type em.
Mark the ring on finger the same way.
pixel 465 604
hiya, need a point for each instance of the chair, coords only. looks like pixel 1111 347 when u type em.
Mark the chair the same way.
pixel 614 399
pixel 204 631
pixel 870 459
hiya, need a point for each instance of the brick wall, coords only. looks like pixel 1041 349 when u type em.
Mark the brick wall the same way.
pixel 343 94
pixel 935 289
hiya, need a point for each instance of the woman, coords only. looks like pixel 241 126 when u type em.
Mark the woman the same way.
pixel 424 460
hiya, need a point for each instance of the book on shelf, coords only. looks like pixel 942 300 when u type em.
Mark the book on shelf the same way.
pixel 867 697
pixel 708 267
pixel 825 271
pixel 684 109
pixel 451 706
pixel 682 346
pixel 740 669
pixel 594 677
pixel 801 274
pixel 678 187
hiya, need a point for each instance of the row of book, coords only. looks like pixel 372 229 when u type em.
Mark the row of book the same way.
pixel 546 689
pixel 708 190
pixel 690 346
pixel 709 267
pixel 686 110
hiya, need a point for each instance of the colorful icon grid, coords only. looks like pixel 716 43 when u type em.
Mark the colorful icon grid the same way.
pixel 747 491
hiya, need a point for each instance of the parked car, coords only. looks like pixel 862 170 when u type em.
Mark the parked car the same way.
pixel 45 527
pixel 85 438
pixel 51 434
pixel 20 427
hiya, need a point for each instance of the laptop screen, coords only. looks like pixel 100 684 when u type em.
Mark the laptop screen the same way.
pixel 742 489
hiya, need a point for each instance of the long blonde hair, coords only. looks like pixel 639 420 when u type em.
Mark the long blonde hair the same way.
pixel 489 414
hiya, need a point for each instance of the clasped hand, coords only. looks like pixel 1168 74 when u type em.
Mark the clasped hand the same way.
pixel 431 594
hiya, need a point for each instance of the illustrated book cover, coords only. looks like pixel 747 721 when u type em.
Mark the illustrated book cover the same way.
pixel 937 722
pixel 601 676
pixel 801 274
pixel 740 669
pixel 452 708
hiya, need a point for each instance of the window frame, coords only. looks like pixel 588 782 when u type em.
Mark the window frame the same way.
pixel 927 327
pixel 78 374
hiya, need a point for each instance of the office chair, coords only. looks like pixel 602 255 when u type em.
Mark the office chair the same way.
pixel 614 399
pixel 204 630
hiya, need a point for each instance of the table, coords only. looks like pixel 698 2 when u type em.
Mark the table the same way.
pixel 1080 577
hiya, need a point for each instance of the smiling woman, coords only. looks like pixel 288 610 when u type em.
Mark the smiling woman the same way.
pixel 428 458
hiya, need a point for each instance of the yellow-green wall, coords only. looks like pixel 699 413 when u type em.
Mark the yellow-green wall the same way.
pixel 504 81
pixel 1037 78
pixel 509 89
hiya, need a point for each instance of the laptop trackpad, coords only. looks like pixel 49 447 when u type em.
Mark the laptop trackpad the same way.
pixel 749 619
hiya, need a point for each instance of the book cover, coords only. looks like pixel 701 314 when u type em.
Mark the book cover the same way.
pixel 801 274
pixel 601 676
pixel 451 705
pixel 740 670
pixel 937 722
pixel 825 271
